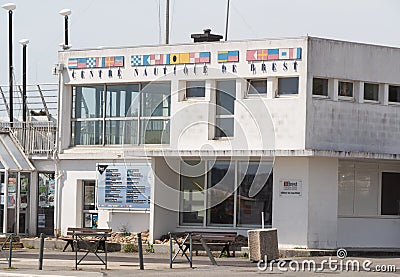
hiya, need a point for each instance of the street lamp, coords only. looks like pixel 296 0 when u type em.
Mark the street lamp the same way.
pixel 24 43
pixel 65 13
pixel 10 7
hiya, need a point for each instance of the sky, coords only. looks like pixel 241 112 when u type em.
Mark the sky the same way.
pixel 95 23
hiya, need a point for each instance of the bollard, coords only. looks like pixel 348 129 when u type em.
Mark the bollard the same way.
pixel 41 251
pixel 140 250
pixel 10 251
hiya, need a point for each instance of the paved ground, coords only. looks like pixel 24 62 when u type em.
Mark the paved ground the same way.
pixel 57 263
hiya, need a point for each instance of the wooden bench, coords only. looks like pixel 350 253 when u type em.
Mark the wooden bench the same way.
pixel 69 238
pixel 216 241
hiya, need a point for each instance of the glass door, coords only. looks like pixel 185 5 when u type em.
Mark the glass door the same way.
pixel 12 202
pixel 90 214
pixel 46 192
pixel 24 183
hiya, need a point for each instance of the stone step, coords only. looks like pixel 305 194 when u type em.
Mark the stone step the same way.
pixel 15 245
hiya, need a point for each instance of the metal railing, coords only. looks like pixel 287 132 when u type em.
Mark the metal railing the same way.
pixel 35 137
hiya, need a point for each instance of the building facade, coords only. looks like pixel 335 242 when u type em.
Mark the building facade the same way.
pixel 296 134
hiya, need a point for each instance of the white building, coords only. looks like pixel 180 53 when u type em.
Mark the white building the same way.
pixel 204 117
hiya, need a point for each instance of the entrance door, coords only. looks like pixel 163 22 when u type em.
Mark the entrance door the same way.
pixel 45 215
pixel 90 215
pixel 12 202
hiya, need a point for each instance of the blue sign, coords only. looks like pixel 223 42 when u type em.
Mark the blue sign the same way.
pixel 124 186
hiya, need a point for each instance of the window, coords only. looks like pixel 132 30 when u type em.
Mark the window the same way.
pixel 371 92
pixel 288 85
pixel 225 102
pixel 320 87
pixel 195 89
pixel 390 200
pixel 254 194
pixel 345 89
pixel 358 189
pixel 127 111
pixel 220 197
pixel 257 87
pixel 394 93
pixel 192 195
pixel 208 190
pixel 90 216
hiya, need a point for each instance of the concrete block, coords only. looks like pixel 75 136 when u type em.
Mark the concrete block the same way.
pixel 263 243
pixel 164 248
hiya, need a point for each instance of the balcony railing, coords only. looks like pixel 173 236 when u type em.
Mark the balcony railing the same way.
pixel 36 137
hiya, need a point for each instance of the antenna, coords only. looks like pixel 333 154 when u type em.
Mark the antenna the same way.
pixel 167 23
pixel 227 21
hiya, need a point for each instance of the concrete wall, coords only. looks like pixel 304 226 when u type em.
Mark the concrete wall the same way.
pixel 165 198
pixel 335 123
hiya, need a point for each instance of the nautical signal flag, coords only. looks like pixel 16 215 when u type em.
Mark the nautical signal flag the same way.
pixel 96 62
pixel 273 54
pixel 228 56
pixel 167 59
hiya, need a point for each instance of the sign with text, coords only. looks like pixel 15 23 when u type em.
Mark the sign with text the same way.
pixel 124 186
pixel 290 187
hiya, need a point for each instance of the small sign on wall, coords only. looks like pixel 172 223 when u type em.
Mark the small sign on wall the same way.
pixel 290 187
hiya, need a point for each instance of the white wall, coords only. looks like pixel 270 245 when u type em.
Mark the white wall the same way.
pixel 322 203
pixel 165 198
pixel 369 232
pixel 290 213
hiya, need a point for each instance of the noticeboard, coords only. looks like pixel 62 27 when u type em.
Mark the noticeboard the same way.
pixel 124 186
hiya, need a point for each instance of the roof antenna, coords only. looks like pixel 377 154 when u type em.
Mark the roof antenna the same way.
pixel 227 21
pixel 167 23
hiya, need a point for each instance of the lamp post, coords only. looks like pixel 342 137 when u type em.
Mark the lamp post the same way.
pixel 10 7
pixel 24 43
pixel 65 13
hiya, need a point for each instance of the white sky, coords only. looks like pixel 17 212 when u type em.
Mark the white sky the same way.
pixel 96 23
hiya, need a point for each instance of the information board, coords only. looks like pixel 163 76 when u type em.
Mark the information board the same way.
pixel 124 186
pixel 289 187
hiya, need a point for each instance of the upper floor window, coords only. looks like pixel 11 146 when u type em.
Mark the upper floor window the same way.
pixel 371 91
pixel 320 87
pixel 257 87
pixel 288 85
pixel 225 108
pixel 195 89
pixel 121 114
pixel 394 93
pixel 345 89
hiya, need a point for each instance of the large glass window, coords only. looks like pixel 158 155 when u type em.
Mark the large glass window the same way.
pixel 192 211
pixel 195 89
pixel 345 89
pixel 132 107
pixel 225 108
pixel 288 85
pixel 320 87
pixel 394 93
pixel 371 92
pixel 220 197
pixel 208 190
pixel 156 99
pixel 88 102
pixel 122 100
pixel 87 132
pixel 254 195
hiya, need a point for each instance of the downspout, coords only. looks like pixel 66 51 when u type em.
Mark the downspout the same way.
pixel 58 174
